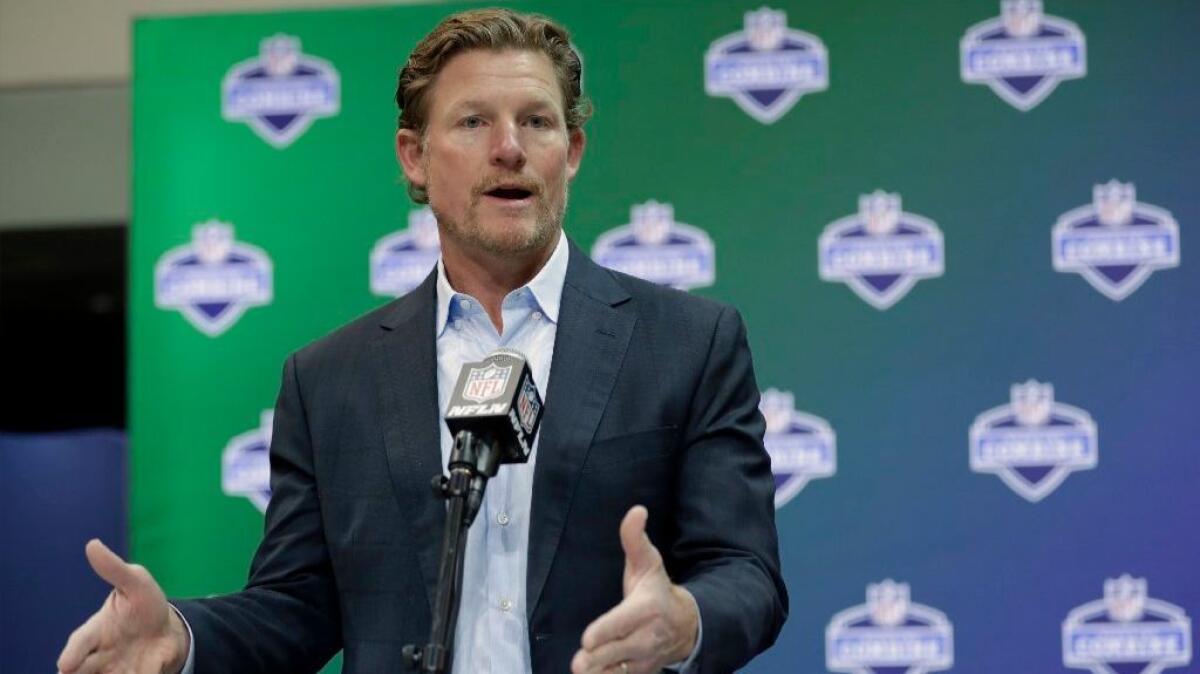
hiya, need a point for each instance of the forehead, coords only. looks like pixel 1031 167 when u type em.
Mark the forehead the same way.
pixel 495 76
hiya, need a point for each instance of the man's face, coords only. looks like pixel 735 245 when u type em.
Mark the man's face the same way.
pixel 496 157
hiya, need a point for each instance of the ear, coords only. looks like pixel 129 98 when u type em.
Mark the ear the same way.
pixel 409 153
pixel 576 142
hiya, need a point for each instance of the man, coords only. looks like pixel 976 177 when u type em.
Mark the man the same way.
pixel 640 536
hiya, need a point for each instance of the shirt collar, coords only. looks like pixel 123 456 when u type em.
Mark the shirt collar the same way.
pixel 546 286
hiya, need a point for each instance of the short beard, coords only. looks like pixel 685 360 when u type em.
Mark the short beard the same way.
pixel 547 222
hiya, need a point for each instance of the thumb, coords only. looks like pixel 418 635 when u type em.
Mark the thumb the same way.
pixel 640 555
pixel 110 567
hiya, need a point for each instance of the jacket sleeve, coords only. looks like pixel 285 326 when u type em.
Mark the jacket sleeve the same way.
pixel 287 618
pixel 727 551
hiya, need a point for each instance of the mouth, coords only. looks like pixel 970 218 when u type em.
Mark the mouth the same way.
pixel 510 194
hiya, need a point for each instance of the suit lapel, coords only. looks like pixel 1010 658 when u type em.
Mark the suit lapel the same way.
pixel 589 347
pixel 406 369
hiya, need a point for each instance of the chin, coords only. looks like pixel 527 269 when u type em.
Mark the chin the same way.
pixel 511 243
pixel 523 238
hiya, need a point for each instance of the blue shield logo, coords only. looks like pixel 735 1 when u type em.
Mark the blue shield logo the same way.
pixel 1115 243
pixel 766 67
pixel 400 261
pixel 1033 443
pixel 246 464
pixel 529 406
pixel 881 251
pixel 1023 54
pixel 802 446
pixel 1127 632
pixel 214 279
pixel 654 247
pixel 280 93
pixel 889 634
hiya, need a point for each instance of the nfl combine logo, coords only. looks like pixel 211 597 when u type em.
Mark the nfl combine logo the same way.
pixel 1115 243
pixel 889 634
pixel 1127 632
pixel 767 67
pixel 802 446
pixel 1023 54
pixel 656 248
pixel 281 92
pixel 881 251
pixel 1033 443
pixel 486 383
pixel 213 280
pixel 246 464
pixel 401 261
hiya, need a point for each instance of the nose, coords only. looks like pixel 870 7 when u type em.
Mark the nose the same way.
pixel 507 151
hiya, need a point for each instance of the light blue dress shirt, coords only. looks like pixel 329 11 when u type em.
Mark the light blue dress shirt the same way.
pixel 492 634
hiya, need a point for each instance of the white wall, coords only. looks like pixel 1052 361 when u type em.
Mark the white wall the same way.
pixel 57 42
pixel 64 103
pixel 64 156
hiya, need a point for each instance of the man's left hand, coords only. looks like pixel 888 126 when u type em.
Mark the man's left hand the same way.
pixel 654 626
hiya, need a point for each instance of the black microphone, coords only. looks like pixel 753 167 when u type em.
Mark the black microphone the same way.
pixel 497 401
pixel 494 413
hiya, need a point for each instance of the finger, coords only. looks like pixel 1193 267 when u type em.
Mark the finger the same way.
pixel 636 646
pixel 583 663
pixel 620 621
pixel 96 662
pixel 110 567
pixel 640 554
pixel 636 667
pixel 579 663
pixel 82 641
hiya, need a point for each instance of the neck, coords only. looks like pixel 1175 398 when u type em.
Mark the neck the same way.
pixel 490 277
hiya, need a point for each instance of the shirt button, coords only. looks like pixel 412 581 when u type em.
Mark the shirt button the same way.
pixel 506 605
pixel 466 304
pixel 458 324
pixel 502 518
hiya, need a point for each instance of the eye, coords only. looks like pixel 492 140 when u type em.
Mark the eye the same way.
pixel 472 122
pixel 539 122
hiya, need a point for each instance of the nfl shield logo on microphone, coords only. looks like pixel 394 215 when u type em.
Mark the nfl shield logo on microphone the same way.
pixel 486 383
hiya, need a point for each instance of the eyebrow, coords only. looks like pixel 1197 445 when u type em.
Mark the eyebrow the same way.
pixel 469 103
pixel 472 103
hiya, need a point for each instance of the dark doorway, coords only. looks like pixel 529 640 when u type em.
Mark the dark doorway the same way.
pixel 62 328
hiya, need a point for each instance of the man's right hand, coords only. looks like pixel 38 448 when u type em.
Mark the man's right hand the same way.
pixel 136 630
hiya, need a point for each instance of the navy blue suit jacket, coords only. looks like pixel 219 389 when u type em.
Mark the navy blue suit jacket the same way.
pixel 651 400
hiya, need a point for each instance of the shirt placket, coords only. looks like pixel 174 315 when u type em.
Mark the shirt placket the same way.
pixel 505 604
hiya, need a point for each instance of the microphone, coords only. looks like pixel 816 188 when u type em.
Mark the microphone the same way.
pixel 494 414
pixel 497 401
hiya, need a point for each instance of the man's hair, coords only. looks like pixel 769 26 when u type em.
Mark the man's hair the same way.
pixel 494 29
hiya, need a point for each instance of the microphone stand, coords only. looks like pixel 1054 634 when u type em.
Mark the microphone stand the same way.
pixel 473 460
